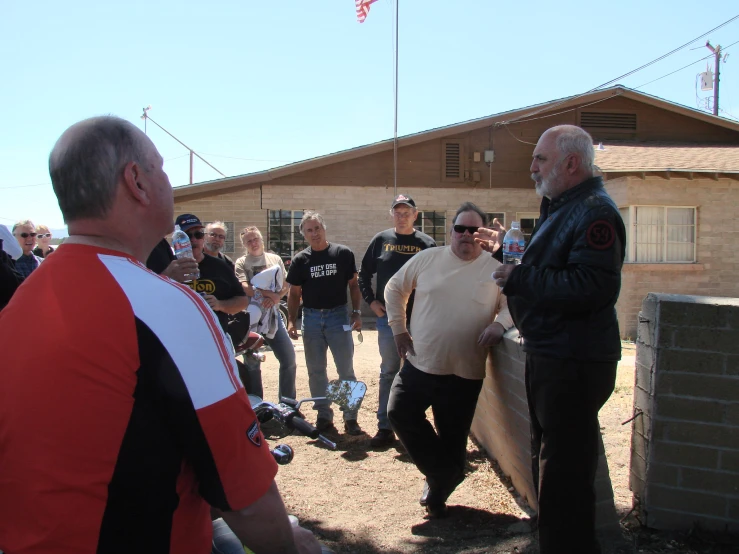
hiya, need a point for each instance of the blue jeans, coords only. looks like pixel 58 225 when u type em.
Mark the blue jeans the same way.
pixel 323 329
pixel 389 367
pixel 284 351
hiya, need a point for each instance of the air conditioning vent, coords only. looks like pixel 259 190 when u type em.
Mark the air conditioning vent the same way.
pixel 608 120
pixel 452 156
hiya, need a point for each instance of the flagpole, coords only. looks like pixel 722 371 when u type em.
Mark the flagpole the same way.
pixel 395 133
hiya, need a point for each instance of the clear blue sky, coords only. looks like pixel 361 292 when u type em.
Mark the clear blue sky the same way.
pixel 286 80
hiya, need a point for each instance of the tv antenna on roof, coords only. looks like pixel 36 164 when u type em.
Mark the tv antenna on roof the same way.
pixel 146 117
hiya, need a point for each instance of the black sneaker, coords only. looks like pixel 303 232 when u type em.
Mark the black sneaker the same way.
pixel 324 424
pixel 384 437
pixel 352 427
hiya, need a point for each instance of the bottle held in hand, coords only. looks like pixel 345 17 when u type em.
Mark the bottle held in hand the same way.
pixel 183 249
pixel 513 244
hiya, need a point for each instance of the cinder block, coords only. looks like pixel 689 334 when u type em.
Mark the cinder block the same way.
pixel 665 519
pixel 724 482
pixel 732 414
pixel 691 361
pixel 671 498
pixel 698 386
pixel 690 409
pixel 685 314
pixel 732 365
pixel 700 434
pixel 662 474
pixel 729 460
pixel 709 340
pixel 685 455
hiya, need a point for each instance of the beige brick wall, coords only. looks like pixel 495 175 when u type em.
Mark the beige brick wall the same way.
pixel 715 273
pixel 501 424
pixel 243 208
pixel 685 444
pixel 354 215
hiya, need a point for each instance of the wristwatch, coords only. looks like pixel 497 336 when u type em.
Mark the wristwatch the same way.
pixel 357 312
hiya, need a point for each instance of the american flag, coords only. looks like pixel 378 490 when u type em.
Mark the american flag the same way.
pixel 363 7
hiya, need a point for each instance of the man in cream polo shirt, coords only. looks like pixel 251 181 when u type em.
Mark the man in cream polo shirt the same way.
pixel 458 314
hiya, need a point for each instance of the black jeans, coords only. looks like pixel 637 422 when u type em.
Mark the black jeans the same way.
pixel 564 398
pixel 439 454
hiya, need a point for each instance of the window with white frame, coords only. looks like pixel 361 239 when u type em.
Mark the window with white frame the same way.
pixel 283 235
pixel 433 224
pixel 660 234
pixel 528 221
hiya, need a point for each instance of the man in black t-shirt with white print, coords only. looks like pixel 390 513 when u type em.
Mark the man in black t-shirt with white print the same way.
pixel 321 273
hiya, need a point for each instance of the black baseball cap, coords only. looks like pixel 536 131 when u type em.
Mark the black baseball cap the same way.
pixel 188 221
pixel 403 199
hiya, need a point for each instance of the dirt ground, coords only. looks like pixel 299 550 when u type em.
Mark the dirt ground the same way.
pixel 357 499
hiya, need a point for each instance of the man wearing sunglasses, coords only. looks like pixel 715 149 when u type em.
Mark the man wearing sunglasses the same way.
pixel 215 240
pixel 217 283
pixel 387 252
pixel 25 234
pixel 458 314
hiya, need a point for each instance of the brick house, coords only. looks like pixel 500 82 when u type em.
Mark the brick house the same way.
pixel 673 171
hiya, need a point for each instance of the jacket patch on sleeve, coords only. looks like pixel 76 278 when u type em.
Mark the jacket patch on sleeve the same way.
pixel 254 434
pixel 601 235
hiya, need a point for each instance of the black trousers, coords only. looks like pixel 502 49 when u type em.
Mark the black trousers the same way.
pixel 564 398
pixel 439 454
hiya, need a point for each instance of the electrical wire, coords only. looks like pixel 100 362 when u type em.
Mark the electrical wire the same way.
pixel 247 159
pixel 686 66
pixel 24 186
pixel 546 108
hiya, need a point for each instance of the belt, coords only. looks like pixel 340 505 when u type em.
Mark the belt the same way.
pixel 325 310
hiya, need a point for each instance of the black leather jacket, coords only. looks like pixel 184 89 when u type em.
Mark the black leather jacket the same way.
pixel 563 294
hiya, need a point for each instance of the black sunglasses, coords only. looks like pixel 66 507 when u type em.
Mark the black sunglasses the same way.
pixel 196 235
pixel 26 235
pixel 462 228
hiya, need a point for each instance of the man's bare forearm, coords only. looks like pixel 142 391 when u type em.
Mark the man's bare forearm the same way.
pixel 234 305
pixel 264 526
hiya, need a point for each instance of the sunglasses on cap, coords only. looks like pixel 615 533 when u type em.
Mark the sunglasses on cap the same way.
pixel 43 235
pixel 26 235
pixel 462 228
pixel 196 235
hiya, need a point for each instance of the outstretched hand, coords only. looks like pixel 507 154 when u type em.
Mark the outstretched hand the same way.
pixel 490 239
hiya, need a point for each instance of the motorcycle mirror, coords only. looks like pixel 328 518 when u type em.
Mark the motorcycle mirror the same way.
pixel 347 394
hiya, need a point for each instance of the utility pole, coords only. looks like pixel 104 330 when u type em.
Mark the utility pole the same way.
pixel 146 117
pixel 717 60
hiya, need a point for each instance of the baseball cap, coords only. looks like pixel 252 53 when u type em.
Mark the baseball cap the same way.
pixel 187 221
pixel 403 199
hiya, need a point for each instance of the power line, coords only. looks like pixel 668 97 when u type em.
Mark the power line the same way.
pixel 248 159
pixel 545 108
pixel 24 186
pixel 686 66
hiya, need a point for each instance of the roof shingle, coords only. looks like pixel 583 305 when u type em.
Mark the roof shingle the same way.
pixel 659 156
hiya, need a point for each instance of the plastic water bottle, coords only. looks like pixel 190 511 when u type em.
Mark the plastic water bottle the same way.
pixel 183 249
pixel 513 244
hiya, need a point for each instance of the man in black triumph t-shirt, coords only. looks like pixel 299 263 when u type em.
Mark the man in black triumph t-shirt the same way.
pixel 387 252
pixel 321 274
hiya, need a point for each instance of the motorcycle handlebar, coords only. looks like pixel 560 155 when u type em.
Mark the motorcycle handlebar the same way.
pixel 302 426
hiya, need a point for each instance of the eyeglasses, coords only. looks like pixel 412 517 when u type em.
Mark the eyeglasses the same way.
pixel 43 235
pixel 217 236
pixel 462 228
pixel 26 235
pixel 196 235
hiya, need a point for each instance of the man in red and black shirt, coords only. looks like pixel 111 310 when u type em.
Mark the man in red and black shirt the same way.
pixel 118 435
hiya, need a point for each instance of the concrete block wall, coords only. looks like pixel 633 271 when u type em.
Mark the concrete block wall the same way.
pixel 717 231
pixel 501 425
pixel 242 207
pixel 685 445
pixel 355 214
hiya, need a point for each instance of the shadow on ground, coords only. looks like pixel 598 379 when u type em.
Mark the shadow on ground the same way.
pixel 465 531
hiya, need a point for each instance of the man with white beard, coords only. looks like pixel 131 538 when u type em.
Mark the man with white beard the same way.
pixel 562 298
